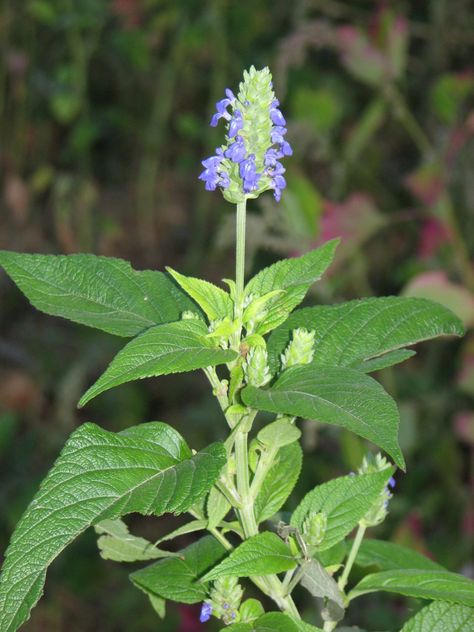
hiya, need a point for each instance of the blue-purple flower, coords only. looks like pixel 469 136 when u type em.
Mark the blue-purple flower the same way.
pixel 249 162
pixel 206 612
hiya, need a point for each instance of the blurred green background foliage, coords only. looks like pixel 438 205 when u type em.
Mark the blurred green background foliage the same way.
pixel 104 110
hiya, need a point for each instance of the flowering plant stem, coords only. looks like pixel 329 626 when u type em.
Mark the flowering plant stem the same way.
pixel 352 556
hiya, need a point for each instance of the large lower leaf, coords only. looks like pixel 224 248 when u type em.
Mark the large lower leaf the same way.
pixel 171 348
pixel 177 578
pixel 340 396
pixel 388 556
pixel 441 616
pixel 429 584
pixel 100 292
pixel 99 475
pixel 279 482
pixel 350 333
pixel 344 501
pixel 294 276
pixel 262 554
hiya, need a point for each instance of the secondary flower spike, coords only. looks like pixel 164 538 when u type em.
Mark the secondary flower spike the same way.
pixel 249 162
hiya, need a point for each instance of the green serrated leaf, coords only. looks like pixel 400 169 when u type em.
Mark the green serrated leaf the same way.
pixel 215 302
pixel 339 396
pixel 118 544
pixel 177 578
pixel 279 433
pixel 389 556
pixel 295 276
pixel 99 475
pixel 344 500
pixel 360 330
pixel 279 482
pixel 261 554
pixel 422 584
pixel 101 292
pixel 171 348
pixel 441 616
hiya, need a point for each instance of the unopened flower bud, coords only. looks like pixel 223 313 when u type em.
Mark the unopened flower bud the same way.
pixel 300 349
pixel 225 599
pixel 379 510
pixel 255 366
pixel 314 528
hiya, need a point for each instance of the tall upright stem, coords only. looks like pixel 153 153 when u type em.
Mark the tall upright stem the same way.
pixel 352 555
pixel 240 255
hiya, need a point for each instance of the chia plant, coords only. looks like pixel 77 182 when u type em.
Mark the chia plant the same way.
pixel 260 353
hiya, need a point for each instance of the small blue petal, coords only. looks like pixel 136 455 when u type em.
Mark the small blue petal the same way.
pixel 206 611
pixel 391 482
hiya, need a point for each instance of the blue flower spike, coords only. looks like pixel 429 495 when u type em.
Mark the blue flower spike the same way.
pixel 249 162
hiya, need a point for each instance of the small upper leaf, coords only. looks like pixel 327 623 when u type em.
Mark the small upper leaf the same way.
pixel 340 396
pixel 279 482
pixel 389 556
pixel 441 616
pixel 353 332
pixel 177 578
pixel 170 348
pixel 215 302
pixel 99 475
pixel 100 292
pixel 261 554
pixel 344 500
pixel 423 584
pixel 294 276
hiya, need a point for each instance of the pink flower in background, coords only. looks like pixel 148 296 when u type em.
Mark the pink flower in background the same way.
pixel 190 619
pixel 434 235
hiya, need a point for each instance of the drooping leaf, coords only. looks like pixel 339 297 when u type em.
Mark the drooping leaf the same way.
pixel 99 475
pixel 294 276
pixel 171 348
pixel 423 584
pixel 357 331
pixel 388 556
pixel 261 554
pixel 279 482
pixel 159 605
pixel 215 302
pixel 177 578
pixel 217 507
pixel 319 583
pixel 441 616
pixel 118 544
pixel 339 396
pixel 344 500
pixel 101 292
